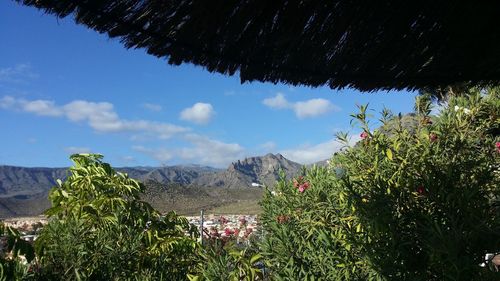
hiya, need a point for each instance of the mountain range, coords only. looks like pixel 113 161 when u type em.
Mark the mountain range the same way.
pixel 23 191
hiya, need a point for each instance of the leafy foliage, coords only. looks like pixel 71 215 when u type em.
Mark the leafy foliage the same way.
pixel 228 263
pixel 306 231
pixel 15 254
pixel 416 202
pixel 417 199
pixel 231 256
pixel 99 229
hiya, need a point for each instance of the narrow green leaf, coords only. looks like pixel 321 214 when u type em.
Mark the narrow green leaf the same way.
pixel 388 152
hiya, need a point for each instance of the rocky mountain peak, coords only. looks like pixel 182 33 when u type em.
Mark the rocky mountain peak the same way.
pixel 260 169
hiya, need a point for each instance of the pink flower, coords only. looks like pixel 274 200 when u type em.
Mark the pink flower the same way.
pixel 236 231
pixel 298 181
pixel 497 144
pixel 421 190
pixel 433 137
pixel 303 187
pixel 363 135
pixel 228 232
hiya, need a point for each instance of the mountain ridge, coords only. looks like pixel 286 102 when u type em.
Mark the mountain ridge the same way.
pixel 259 169
pixel 24 190
pixel 264 169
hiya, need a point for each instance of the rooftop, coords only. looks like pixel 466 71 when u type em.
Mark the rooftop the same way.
pixel 367 45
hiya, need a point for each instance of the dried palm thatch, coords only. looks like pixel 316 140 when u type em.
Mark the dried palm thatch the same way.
pixel 368 45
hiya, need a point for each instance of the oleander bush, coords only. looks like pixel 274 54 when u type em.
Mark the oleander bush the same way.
pixel 306 228
pixel 416 199
pixel 232 255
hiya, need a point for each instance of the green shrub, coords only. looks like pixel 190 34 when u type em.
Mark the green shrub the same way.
pixel 16 255
pixel 305 232
pixel 99 230
pixel 415 200
pixel 231 257
pixel 228 263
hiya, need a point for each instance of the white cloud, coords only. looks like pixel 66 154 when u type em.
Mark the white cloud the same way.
pixel 160 154
pixel 41 107
pixel 302 109
pixel 278 102
pixel 100 116
pixel 75 149
pixel 38 107
pixel 313 108
pixel 152 107
pixel 128 159
pixel 199 113
pixel 202 150
pixel 268 146
pixel 308 154
pixel 17 74
pixel 7 102
pixel 210 152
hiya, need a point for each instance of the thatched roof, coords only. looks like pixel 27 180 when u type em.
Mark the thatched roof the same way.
pixel 368 45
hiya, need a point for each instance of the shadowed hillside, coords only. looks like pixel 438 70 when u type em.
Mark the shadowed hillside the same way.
pixel 184 188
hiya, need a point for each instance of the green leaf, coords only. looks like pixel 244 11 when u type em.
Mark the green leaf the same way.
pixel 192 277
pixel 255 258
pixel 64 193
pixel 388 152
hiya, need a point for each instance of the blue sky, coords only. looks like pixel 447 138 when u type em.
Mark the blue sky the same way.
pixel 66 89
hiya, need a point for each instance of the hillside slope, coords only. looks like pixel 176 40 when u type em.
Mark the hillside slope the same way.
pixel 186 188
